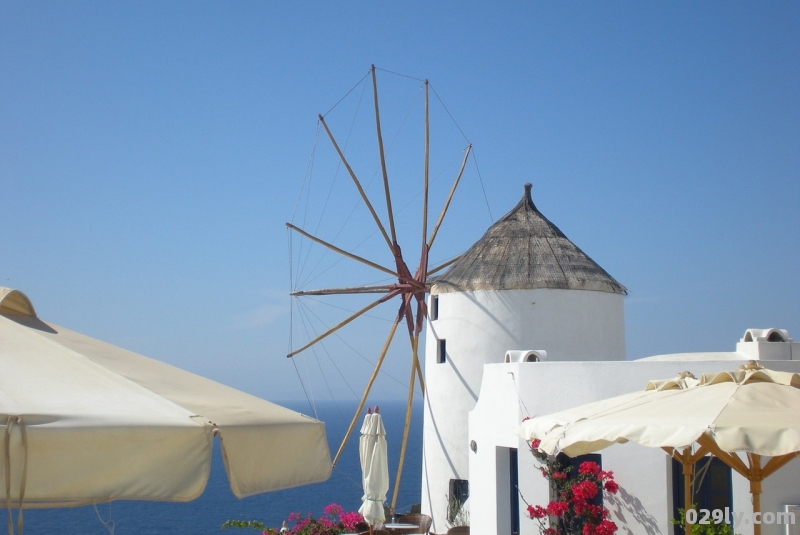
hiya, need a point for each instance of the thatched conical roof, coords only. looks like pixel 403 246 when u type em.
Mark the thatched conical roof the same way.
pixel 521 251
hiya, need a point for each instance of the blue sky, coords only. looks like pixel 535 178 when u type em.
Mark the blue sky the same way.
pixel 151 152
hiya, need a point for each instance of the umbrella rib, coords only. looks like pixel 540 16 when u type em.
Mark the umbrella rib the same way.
pixel 777 462
pixel 731 460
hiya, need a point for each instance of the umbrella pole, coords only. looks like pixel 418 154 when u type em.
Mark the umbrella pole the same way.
pixel 755 487
pixel 688 469
pixel 687 460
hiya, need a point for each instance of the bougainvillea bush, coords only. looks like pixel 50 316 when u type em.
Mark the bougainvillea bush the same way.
pixel 572 510
pixel 333 521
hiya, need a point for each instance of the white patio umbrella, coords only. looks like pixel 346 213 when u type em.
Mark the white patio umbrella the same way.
pixel 87 422
pixel 374 468
pixel 752 410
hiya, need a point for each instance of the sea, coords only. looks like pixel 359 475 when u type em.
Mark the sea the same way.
pixel 206 514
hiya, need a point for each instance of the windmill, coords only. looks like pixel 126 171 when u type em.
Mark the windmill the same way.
pixel 411 286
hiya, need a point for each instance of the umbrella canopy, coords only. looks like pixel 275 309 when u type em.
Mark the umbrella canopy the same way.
pixel 87 422
pixel 752 410
pixel 374 468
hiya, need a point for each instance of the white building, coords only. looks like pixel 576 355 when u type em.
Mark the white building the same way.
pixel 525 286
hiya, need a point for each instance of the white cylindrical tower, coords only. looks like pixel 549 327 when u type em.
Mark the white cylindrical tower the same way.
pixel 523 285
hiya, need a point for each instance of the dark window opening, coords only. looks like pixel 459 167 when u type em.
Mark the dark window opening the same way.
pixel 459 492
pixel 713 487
pixel 441 354
pixel 434 307
pixel 513 472
pixel 570 465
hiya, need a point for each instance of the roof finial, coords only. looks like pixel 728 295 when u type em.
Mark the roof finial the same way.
pixel 526 198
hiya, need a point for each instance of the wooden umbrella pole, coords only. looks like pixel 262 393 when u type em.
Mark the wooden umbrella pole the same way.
pixel 357 183
pixel 449 197
pixel 383 157
pixel 366 390
pixel 405 439
pixel 755 487
pixel 688 471
pixel 343 252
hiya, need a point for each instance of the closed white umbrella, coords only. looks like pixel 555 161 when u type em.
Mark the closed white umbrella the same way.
pixel 752 410
pixel 88 422
pixel 374 468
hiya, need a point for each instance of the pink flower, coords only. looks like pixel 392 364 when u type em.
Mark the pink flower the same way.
pixel 349 520
pixel 333 509
pixel 294 516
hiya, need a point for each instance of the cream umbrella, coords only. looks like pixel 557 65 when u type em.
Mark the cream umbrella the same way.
pixel 751 410
pixel 374 468
pixel 87 422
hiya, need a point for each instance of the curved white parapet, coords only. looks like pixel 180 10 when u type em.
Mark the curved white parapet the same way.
pixel 766 335
pixel 521 355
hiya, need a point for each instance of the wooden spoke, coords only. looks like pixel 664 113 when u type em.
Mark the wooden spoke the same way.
pixel 343 252
pixel 338 326
pixel 442 266
pixel 353 290
pixel 403 444
pixel 383 157
pixel 366 390
pixel 425 172
pixel 449 197
pixel 357 183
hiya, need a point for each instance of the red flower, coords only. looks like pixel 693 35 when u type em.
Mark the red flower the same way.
pixel 611 486
pixel 606 527
pixel 589 468
pixel 526 418
pixel 559 475
pixel 535 443
pixel 557 508
pixel 588 529
pixel 583 491
pixel 537 511
pixel 605 475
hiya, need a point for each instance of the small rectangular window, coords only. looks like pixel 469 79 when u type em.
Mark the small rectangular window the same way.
pixel 441 354
pixel 434 307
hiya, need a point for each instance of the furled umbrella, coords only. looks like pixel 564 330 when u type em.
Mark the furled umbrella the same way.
pixel 374 468
pixel 87 422
pixel 751 410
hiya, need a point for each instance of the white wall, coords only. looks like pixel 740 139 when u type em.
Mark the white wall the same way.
pixel 478 328
pixel 643 507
